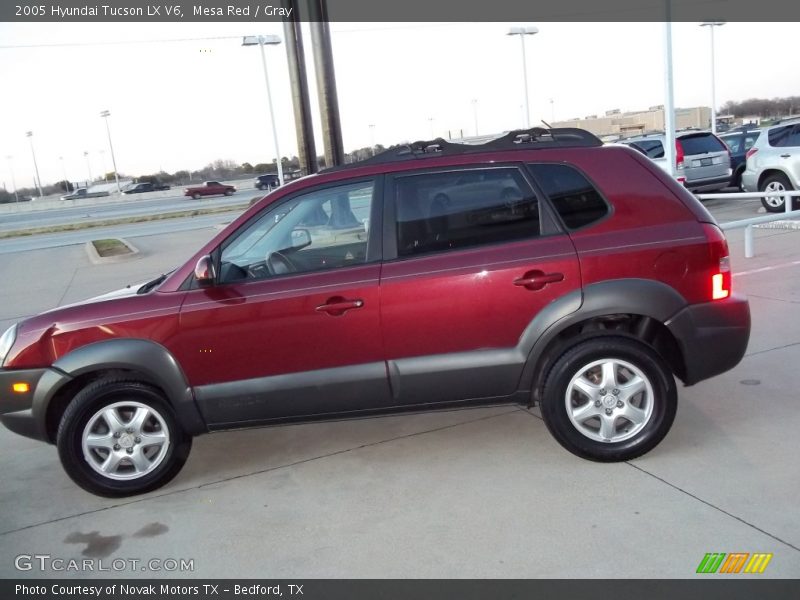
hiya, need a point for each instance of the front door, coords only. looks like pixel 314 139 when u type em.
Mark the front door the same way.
pixel 288 329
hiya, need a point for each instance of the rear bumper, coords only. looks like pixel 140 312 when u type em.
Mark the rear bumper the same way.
pixel 707 185
pixel 713 336
pixel 16 409
pixel 749 181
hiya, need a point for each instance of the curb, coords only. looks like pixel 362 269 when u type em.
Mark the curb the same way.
pixel 96 259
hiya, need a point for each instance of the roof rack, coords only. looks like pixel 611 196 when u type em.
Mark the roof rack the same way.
pixel 520 139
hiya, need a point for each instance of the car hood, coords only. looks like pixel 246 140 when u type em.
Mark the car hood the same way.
pixel 128 290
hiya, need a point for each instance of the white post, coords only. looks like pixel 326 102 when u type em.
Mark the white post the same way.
pixel 749 251
pixel 475 114
pixel 271 112
pixel 713 86
pixel 13 179
pixel 525 82
pixel 669 108
pixel 105 115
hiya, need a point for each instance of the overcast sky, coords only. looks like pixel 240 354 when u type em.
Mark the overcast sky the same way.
pixel 181 105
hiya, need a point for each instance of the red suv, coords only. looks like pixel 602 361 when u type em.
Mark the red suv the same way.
pixel 540 267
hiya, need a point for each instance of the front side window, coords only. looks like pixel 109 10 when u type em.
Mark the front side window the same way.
pixel 460 209
pixel 323 229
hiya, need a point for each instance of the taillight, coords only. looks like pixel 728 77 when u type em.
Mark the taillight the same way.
pixel 750 153
pixel 679 156
pixel 720 263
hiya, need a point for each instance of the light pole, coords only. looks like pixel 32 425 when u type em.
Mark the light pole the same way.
pixel 260 41
pixel 430 120
pixel 105 114
pixel 372 137
pixel 29 135
pixel 88 166
pixel 64 173
pixel 10 160
pixel 522 32
pixel 552 111
pixel 711 25
pixel 475 114
pixel 105 164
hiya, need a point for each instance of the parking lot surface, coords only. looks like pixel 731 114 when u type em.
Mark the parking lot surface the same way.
pixel 469 493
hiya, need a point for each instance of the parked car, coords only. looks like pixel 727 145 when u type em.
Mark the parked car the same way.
pixel 145 186
pixel 739 141
pixel 267 182
pixel 703 162
pixel 83 193
pixel 209 188
pixel 587 289
pixel 773 164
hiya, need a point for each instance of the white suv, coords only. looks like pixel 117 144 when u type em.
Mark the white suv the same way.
pixel 773 164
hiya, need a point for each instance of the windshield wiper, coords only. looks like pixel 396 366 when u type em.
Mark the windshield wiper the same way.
pixel 152 284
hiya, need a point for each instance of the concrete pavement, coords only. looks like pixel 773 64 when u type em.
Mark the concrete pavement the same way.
pixel 470 493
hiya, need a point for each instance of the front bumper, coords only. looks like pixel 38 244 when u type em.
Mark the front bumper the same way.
pixel 713 336
pixel 16 408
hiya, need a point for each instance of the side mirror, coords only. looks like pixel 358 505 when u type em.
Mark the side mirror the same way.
pixel 301 238
pixel 204 271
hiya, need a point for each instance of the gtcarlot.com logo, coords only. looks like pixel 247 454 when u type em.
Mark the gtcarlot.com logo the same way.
pixel 46 562
pixel 735 562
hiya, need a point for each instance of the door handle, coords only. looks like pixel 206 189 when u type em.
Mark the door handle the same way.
pixel 338 306
pixel 536 280
pixel 786 155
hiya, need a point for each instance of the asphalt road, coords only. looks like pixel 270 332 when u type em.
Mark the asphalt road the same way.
pixel 121 208
pixel 471 493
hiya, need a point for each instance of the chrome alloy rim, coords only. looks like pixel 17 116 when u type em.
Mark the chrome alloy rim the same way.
pixel 775 201
pixel 125 440
pixel 609 400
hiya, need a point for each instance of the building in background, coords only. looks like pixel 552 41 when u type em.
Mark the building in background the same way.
pixel 616 124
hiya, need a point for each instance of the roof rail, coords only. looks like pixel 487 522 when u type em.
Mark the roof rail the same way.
pixel 520 139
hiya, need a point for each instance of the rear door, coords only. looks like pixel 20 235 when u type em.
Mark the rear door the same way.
pixel 467 268
pixel 705 157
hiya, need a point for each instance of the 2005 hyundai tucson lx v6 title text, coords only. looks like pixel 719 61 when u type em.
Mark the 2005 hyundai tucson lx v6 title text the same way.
pixel 539 267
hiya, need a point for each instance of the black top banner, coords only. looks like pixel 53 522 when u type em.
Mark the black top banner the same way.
pixel 402 10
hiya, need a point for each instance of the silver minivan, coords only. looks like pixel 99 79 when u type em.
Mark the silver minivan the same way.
pixel 703 161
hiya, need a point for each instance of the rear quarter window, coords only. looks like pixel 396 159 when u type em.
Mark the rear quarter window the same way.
pixel 574 197
pixel 701 144
pixel 780 136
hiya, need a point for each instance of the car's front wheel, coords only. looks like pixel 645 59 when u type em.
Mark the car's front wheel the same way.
pixel 229 192
pixel 609 399
pixel 777 182
pixel 120 437
pixel 196 196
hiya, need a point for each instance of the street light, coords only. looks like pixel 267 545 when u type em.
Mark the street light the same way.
pixel 10 160
pixel 105 114
pixel 260 41
pixel 88 166
pixel 29 135
pixel 711 25
pixel 522 32
pixel 64 173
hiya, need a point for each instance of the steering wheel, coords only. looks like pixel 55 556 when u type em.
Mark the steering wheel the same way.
pixel 279 264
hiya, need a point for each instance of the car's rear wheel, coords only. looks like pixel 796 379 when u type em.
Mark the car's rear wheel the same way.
pixel 120 437
pixel 609 399
pixel 196 196
pixel 777 182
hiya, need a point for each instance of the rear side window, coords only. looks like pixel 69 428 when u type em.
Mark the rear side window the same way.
pixel 461 209
pixel 785 136
pixel 650 148
pixel 701 144
pixel 734 142
pixel 576 200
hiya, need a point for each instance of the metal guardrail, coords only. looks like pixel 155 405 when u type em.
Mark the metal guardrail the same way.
pixel 747 224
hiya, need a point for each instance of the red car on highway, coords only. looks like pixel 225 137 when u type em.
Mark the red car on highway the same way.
pixel 209 188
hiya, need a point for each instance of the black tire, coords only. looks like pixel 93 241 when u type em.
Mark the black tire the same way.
pixel 229 192
pixel 86 405
pixel 779 182
pixel 262 187
pixel 196 196
pixel 737 179
pixel 663 400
